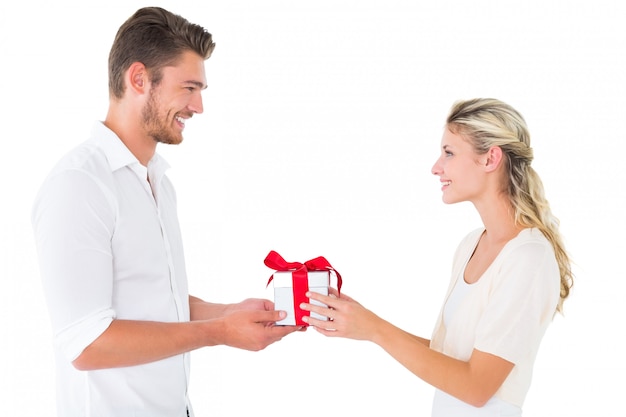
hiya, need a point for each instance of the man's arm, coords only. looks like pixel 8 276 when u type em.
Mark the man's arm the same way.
pixel 130 342
pixel 202 310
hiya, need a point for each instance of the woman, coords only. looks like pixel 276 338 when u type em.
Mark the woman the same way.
pixel 508 278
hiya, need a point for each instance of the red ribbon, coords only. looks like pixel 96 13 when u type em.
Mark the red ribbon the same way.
pixel 299 278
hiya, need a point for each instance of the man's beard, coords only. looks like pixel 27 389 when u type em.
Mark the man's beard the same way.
pixel 157 126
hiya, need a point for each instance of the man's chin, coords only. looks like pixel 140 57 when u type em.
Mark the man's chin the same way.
pixel 168 140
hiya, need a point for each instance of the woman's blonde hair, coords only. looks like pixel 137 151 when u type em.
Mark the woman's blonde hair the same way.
pixel 486 123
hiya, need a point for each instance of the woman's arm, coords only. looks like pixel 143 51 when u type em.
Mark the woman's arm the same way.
pixel 473 382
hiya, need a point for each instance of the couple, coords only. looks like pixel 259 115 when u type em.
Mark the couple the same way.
pixel 113 269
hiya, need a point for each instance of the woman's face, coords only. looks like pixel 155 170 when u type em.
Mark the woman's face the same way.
pixel 460 169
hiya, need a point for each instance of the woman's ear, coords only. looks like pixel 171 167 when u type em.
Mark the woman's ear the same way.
pixel 494 158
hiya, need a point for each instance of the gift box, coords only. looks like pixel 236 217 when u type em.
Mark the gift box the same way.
pixel 292 280
pixel 285 294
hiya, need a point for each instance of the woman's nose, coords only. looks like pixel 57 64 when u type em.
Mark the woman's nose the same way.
pixel 436 169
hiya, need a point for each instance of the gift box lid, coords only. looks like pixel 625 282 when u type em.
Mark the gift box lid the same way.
pixel 316 279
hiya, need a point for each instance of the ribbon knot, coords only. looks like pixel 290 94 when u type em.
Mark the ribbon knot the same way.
pixel 299 277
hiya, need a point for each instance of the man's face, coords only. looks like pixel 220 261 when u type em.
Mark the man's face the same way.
pixel 175 99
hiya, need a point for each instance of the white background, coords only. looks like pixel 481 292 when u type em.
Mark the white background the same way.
pixel 322 121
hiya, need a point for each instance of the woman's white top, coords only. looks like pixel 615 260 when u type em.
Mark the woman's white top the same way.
pixel 505 313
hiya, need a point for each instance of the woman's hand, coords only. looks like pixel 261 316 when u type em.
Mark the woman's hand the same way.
pixel 346 317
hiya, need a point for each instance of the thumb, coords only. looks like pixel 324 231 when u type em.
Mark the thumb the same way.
pixel 271 315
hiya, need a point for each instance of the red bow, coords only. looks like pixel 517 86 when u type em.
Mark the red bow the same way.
pixel 299 278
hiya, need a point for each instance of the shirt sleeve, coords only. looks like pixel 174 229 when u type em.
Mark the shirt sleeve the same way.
pixel 73 221
pixel 521 303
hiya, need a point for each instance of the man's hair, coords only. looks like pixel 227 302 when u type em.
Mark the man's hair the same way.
pixel 157 38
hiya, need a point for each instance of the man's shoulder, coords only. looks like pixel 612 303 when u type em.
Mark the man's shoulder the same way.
pixel 95 154
pixel 86 157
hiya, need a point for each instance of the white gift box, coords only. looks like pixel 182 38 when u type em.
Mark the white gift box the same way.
pixel 319 282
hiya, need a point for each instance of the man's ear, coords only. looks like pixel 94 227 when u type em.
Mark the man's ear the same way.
pixel 137 78
pixel 494 158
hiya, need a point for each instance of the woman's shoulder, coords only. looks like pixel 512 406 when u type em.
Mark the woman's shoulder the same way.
pixel 472 238
pixel 529 238
pixel 530 248
pixel 467 245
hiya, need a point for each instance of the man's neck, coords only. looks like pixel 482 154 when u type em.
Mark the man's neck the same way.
pixel 133 136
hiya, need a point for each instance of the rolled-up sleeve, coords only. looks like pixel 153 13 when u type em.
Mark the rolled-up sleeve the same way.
pixel 74 221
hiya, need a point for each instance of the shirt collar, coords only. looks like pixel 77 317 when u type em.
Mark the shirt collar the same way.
pixel 118 155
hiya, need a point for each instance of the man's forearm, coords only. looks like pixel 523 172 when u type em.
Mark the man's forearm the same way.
pixel 246 325
pixel 202 310
pixel 129 343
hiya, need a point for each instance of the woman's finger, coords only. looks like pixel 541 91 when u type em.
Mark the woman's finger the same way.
pixel 324 299
pixel 323 326
pixel 321 310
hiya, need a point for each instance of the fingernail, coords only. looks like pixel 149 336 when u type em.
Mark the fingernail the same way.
pixel 282 314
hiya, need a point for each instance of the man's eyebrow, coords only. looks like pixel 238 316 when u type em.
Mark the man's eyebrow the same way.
pixel 198 84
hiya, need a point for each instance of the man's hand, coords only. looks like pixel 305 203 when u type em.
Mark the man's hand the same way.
pixel 250 304
pixel 203 310
pixel 252 328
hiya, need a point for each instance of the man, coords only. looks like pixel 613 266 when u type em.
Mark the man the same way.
pixel 109 243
